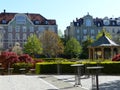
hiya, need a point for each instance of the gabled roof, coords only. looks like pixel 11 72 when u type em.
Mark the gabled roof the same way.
pixel 104 41
pixel 8 16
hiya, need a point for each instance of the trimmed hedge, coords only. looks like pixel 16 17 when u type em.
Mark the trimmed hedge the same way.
pixel 110 68
pixel 18 66
pixel 52 68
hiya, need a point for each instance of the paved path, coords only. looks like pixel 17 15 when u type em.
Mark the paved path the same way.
pixel 55 82
pixel 24 82
pixel 61 84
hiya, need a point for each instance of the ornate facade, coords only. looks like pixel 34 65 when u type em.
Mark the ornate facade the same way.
pixel 16 27
pixel 89 26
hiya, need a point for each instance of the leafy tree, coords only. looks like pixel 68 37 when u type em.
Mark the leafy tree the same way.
pixel 101 33
pixel 85 44
pixel 33 45
pixel 52 44
pixel 73 48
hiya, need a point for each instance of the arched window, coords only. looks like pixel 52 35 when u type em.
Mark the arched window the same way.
pixel 88 22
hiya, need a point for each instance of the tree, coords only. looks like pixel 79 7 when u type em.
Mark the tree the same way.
pixel 85 44
pixel 52 44
pixel 33 45
pixel 73 48
pixel 101 33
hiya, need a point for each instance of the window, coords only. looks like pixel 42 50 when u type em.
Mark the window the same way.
pixel 9 28
pixel 85 31
pixel 84 38
pixel 78 31
pixel 77 24
pixel 93 37
pixel 98 24
pixel 31 29
pixel 113 23
pixel 92 32
pixel 78 37
pixel 37 22
pixel 4 21
pixel 46 22
pixel 17 28
pixel 106 22
pixel 24 36
pixel 20 19
pixel 17 36
pixel 41 29
pixel 10 36
pixel 88 22
pixel 24 28
pixel 118 22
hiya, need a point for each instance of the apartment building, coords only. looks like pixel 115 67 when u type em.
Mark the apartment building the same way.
pixel 89 26
pixel 16 27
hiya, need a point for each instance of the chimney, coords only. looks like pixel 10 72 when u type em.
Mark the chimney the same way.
pixel 4 11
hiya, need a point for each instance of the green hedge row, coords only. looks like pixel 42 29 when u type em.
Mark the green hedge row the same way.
pixel 65 67
pixel 18 66
pixel 52 68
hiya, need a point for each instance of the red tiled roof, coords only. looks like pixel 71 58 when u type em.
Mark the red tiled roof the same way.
pixel 9 16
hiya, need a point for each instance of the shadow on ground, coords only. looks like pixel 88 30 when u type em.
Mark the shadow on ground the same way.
pixel 112 85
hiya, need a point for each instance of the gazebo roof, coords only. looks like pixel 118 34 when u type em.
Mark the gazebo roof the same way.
pixel 104 41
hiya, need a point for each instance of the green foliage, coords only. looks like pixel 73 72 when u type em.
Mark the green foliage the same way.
pixel 17 66
pixel 73 48
pixel 51 68
pixel 33 45
pixel 85 44
pixel 101 33
pixel 52 44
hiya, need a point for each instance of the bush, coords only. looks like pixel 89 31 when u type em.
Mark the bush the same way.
pixel 116 58
pixel 17 66
pixel 109 68
pixel 9 58
pixel 51 68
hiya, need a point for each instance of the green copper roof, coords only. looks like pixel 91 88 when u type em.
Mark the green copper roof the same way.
pixel 104 41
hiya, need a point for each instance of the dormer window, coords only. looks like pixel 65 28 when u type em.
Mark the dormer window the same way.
pixel 106 22
pixel 118 22
pixel 37 22
pixel 46 22
pixel 113 23
pixel 4 21
pixel 77 24
pixel 98 24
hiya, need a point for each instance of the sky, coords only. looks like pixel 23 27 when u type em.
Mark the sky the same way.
pixel 63 11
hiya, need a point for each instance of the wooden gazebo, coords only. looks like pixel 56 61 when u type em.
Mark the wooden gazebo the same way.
pixel 103 48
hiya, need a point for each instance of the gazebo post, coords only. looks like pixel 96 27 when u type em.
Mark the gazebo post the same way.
pixel 102 50
pixel 112 52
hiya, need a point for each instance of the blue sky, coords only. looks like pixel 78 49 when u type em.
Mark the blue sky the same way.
pixel 64 11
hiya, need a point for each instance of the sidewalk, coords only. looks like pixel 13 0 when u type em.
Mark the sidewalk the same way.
pixel 55 82
pixel 59 82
